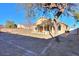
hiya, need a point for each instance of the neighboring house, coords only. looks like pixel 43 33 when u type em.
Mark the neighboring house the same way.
pixel 19 26
pixel 45 25
pixel 1 27
pixel 25 27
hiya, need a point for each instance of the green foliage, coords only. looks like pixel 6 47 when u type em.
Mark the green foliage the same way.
pixel 76 15
pixel 10 24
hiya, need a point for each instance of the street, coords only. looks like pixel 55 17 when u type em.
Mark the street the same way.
pixel 19 45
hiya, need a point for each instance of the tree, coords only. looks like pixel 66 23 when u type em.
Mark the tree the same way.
pixel 67 9
pixel 76 15
pixel 10 24
pixel 30 12
pixel 77 20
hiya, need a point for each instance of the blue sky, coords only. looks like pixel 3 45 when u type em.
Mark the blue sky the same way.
pixel 9 11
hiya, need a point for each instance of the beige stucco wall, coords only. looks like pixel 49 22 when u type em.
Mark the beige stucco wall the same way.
pixel 63 29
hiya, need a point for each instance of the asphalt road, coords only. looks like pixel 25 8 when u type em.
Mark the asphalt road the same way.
pixel 19 45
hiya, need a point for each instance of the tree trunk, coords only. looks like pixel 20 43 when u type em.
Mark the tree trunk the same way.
pixel 43 28
pixel 56 25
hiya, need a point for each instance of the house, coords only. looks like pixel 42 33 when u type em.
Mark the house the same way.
pixel 38 26
pixel 1 26
pixel 19 26
pixel 45 25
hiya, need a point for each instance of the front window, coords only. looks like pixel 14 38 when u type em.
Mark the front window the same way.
pixel 59 27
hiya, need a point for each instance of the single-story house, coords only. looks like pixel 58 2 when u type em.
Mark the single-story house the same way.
pixel 47 25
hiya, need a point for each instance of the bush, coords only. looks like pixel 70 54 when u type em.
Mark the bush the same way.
pixel 10 24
